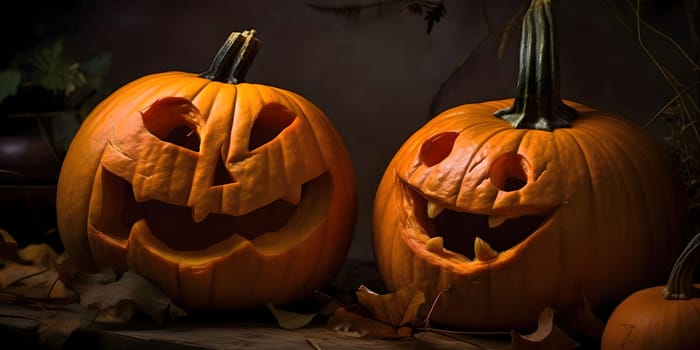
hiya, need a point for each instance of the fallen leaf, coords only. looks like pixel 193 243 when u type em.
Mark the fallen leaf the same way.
pixel 290 319
pixel 9 250
pixel 356 325
pixel 396 309
pixel 119 299
pixel 34 283
pixel 384 316
pixel 40 255
pixel 54 333
pixel 54 330
pixel 546 336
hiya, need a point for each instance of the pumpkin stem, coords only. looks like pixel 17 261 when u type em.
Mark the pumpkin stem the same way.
pixel 538 104
pixel 680 282
pixel 234 58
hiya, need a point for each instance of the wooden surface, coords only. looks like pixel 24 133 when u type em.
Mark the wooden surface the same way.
pixel 19 328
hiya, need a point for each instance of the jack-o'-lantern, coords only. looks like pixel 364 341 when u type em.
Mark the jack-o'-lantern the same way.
pixel 225 194
pixel 514 209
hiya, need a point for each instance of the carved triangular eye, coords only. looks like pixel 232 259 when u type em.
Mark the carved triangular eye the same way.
pixel 173 120
pixel 270 122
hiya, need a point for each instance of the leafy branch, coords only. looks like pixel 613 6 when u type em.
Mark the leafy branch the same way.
pixel 58 91
pixel 432 11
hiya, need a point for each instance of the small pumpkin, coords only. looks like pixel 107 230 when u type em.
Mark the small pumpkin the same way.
pixel 527 203
pixel 225 194
pixel 661 317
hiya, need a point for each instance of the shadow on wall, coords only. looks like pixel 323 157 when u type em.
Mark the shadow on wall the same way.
pixel 376 77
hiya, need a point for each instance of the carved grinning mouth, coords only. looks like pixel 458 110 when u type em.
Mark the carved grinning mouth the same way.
pixel 465 232
pixel 173 224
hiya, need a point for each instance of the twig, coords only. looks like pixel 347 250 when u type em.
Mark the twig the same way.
pixel 462 62
pixel 667 38
pixel 27 277
pixel 669 103
pixel 673 82
pixel 692 22
pixel 513 23
pixel 313 344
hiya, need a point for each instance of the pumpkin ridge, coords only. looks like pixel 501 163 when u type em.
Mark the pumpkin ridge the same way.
pixel 613 163
pixel 586 274
pixel 294 99
pixel 641 189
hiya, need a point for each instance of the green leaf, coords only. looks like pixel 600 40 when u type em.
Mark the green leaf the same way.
pixel 9 82
pixel 54 71
pixel 96 69
pixel 63 127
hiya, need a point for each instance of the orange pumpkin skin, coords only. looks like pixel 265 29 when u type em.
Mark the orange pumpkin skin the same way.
pixel 209 222
pixel 662 317
pixel 644 321
pixel 532 202
pixel 611 215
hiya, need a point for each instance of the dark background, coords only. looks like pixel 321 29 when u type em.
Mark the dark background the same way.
pixel 375 76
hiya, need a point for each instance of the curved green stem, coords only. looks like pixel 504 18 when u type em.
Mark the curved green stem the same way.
pixel 538 103
pixel 680 282
pixel 234 58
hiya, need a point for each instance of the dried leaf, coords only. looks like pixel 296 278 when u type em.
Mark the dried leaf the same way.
pixel 396 309
pixel 33 283
pixel 117 300
pixel 33 254
pixel 29 273
pixel 355 325
pixel 40 255
pixel 387 316
pixel 435 14
pixel 9 250
pixel 53 331
pixel 290 319
pixel 546 336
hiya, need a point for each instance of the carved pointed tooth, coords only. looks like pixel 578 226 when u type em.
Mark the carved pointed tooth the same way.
pixel 434 209
pixel 435 245
pixel 199 214
pixel 483 251
pixel 293 195
pixel 496 220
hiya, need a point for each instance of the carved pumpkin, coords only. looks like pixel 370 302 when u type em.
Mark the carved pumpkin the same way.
pixel 530 208
pixel 225 194
pixel 661 317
